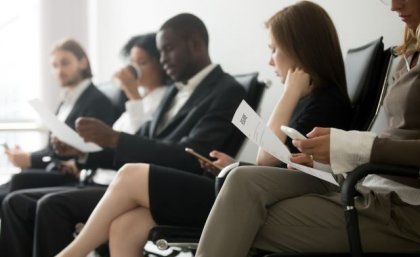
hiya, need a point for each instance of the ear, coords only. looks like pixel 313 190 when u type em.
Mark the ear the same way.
pixel 84 63
pixel 196 43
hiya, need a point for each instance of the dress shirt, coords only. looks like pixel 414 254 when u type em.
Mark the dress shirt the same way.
pixel 349 149
pixel 139 111
pixel 185 90
pixel 69 96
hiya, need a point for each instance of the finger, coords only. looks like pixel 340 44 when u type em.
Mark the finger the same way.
pixel 317 131
pixel 307 144
pixel 84 121
pixel 214 153
pixel 290 167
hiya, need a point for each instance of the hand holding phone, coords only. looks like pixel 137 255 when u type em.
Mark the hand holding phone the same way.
pixel 202 158
pixel 292 133
pixel 5 146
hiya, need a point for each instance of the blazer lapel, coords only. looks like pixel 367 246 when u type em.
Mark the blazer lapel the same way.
pixel 162 109
pixel 203 89
pixel 78 105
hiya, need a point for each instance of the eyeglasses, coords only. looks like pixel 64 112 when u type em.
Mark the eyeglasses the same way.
pixel 388 2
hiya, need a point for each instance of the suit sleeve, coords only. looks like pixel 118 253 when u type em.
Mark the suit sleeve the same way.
pixel 36 157
pixel 399 152
pixel 211 129
pixel 103 110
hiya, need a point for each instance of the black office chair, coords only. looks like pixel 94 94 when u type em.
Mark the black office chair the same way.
pixel 186 238
pixel 366 70
pixel 254 91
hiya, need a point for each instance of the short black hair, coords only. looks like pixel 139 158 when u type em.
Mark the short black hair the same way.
pixel 146 42
pixel 186 25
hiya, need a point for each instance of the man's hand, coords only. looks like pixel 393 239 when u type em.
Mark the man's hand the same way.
pixel 317 145
pixel 18 158
pixel 63 149
pixel 94 130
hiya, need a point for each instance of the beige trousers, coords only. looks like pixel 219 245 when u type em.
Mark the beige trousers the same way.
pixel 287 211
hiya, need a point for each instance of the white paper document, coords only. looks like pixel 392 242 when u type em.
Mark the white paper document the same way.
pixel 249 123
pixel 61 130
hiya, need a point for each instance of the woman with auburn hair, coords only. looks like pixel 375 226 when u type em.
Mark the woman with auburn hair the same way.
pixel 289 211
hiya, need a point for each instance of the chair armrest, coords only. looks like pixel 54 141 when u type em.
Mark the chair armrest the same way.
pixel 348 189
pixel 220 179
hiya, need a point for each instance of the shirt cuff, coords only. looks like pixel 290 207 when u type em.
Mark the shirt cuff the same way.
pixel 349 149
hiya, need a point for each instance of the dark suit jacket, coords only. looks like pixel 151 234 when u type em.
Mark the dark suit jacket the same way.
pixel 91 103
pixel 203 123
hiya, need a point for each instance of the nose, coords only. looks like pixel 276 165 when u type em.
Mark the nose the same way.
pixel 396 5
pixel 271 62
pixel 162 58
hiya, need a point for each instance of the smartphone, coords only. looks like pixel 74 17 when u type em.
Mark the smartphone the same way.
pixel 6 147
pixel 200 157
pixel 292 133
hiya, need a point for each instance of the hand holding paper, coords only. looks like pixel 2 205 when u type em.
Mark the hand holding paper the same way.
pixel 94 130
pixel 249 123
pixel 61 130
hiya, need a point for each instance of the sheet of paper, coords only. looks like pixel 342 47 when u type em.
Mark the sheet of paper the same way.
pixel 61 130
pixel 249 123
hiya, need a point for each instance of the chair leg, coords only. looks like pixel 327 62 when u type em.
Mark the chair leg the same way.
pixel 353 231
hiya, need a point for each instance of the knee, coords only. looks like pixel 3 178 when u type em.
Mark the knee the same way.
pixel 48 203
pixel 131 172
pixel 12 200
pixel 240 176
pixel 8 199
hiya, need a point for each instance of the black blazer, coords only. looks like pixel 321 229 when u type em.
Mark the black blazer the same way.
pixel 91 103
pixel 203 123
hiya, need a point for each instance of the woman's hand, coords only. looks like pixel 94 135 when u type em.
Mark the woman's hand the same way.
pixel 222 160
pixel 317 145
pixel 18 158
pixel 297 83
pixel 302 159
pixel 129 84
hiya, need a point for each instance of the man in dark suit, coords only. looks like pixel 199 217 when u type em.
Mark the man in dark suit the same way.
pixel 79 97
pixel 196 113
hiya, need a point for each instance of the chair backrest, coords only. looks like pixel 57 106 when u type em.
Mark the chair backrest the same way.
pixel 366 68
pixel 380 121
pixel 254 91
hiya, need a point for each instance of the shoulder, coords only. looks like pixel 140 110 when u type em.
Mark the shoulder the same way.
pixel 94 91
pixel 328 96
pixel 226 82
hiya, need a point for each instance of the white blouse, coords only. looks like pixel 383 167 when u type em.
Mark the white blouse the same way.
pixel 139 111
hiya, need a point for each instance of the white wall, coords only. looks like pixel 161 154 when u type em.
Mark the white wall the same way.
pixel 60 19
